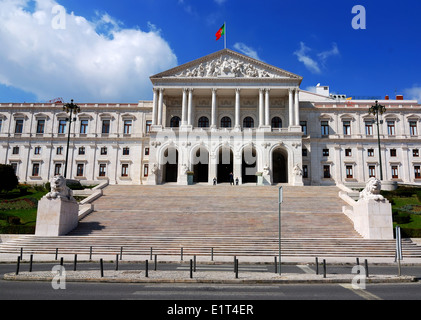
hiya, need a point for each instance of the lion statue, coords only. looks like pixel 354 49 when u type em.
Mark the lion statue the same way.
pixel 59 189
pixel 372 190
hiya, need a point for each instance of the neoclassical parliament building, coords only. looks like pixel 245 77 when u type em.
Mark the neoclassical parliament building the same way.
pixel 224 115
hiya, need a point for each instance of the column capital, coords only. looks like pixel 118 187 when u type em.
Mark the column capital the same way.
pixel 214 90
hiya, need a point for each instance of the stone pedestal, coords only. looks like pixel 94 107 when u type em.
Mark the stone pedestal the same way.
pixel 56 217
pixel 373 219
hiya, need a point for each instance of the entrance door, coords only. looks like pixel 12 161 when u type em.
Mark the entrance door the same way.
pixel 249 166
pixel 225 165
pixel 279 165
pixel 201 166
pixel 171 165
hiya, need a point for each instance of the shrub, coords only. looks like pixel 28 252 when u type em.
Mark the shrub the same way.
pixel 8 179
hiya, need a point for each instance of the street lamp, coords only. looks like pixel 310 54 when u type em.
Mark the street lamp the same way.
pixel 72 109
pixel 376 110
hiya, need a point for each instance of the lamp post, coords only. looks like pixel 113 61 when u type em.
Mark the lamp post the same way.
pixel 72 109
pixel 376 110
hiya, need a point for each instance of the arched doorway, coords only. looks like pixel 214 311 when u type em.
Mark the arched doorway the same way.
pixel 201 165
pixel 249 165
pixel 170 162
pixel 225 164
pixel 280 166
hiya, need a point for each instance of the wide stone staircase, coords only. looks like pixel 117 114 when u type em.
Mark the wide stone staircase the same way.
pixel 223 220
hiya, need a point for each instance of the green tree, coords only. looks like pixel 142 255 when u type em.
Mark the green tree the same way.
pixel 8 179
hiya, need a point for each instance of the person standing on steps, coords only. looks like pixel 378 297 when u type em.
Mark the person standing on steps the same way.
pixel 231 179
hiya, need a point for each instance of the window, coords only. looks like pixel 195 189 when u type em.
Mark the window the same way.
pixel 128 126
pixel 104 151
pixel 148 126
pixel 305 171
pixel 303 125
pixel 325 128
pixel 369 128
pixel 349 172
pixel 370 152
pixel 102 170
pixel 126 151
pixel 393 152
pixel 124 170
pixel 304 152
pixel 325 152
pixel 371 171
pixel 40 126
pixel 248 122
pixel 415 153
pixel 80 169
pixel 146 170
pixel 37 150
pixel 226 122
pixel 57 169
pixel 15 150
pixel 81 151
pixel 35 169
pixel 146 151
pixel 1 124
pixel 413 130
pixel 175 122
pixel 84 126
pixel 106 126
pixel 326 172
pixel 347 128
pixel 62 126
pixel 348 152
pixel 417 172
pixel 391 128
pixel 59 151
pixel 19 126
pixel 276 123
pixel 395 174
pixel 203 122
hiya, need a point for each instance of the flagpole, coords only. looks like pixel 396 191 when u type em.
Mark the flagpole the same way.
pixel 225 35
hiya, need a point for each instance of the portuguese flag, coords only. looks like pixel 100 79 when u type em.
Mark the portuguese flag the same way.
pixel 220 32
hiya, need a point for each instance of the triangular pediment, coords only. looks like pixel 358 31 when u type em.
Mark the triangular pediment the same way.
pixel 227 64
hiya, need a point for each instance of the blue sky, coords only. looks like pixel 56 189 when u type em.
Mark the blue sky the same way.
pixel 107 49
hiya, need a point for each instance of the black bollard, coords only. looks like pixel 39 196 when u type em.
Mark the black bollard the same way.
pixel 75 263
pixel 151 252
pixel 30 262
pixel 276 265
pixel 317 265
pixel 21 253
pixel 212 254
pixel 366 268
pixel 90 253
pixel 56 254
pixel 235 261
pixel 358 261
pixel 236 268
pixel 324 268
pixel 121 253
pixel 116 262
pixel 181 253
pixel 194 263
pixel 18 266
pixel 61 261
pixel 146 269
pixel 156 262
pixel 101 263
pixel 191 269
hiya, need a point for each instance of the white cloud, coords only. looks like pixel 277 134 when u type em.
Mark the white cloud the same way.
pixel 304 57
pixel 248 51
pixel 413 93
pixel 89 61
pixel 326 54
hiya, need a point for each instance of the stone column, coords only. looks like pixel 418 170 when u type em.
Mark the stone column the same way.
pixel 184 108
pixel 214 112
pixel 261 108
pixel 297 107
pixel 160 106
pixel 291 108
pixel 237 108
pixel 190 108
pixel 154 107
pixel 267 104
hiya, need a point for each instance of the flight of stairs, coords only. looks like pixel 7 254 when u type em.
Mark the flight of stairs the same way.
pixel 228 220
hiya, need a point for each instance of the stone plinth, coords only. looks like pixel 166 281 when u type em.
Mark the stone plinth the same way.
pixel 373 219
pixel 56 217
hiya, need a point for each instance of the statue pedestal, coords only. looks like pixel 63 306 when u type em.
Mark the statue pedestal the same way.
pixel 56 217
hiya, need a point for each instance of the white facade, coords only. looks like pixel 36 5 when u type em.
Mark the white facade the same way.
pixel 219 114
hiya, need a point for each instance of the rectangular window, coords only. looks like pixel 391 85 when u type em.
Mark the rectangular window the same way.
pixel 81 151
pixel 303 125
pixel 413 129
pixel 57 169
pixel 415 153
pixel 304 152
pixel 348 152
pixel 148 126
pixel 84 126
pixel 325 152
pixel 370 152
pixel 325 128
pixel 349 172
pixel 106 126
pixel 127 126
pixel 395 173
pixel 37 150
pixel 393 152
pixel 102 170
pixel 59 151
pixel 305 171
pixel 104 151
pixel 124 170
pixel 369 128
pixel 146 151
pixel 15 167
pixel 391 128
pixel 15 150
pixel 371 171
pixel 326 172
pixel 35 170
pixel 347 128
pixel 126 151
pixel 19 126
pixel 417 172
pixel 62 126
pixel 80 169
pixel 40 126
pixel 146 170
